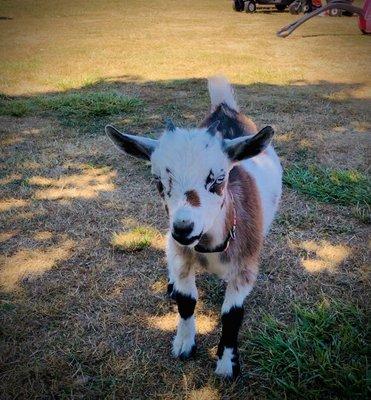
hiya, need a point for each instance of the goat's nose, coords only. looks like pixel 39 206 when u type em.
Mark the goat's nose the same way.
pixel 183 227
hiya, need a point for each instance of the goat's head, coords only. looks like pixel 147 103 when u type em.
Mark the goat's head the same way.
pixel 191 168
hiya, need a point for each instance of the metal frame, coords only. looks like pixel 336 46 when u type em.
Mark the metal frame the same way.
pixel 343 5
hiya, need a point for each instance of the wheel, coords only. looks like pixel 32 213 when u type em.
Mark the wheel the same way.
pixel 335 12
pixel 280 7
pixel 296 8
pixel 238 5
pixel 250 6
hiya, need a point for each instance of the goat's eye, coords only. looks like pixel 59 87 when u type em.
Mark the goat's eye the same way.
pixel 219 179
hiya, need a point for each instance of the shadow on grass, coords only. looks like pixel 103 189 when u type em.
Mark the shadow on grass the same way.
pixel 81 319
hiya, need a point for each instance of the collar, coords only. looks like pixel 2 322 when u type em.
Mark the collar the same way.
pixel 223 246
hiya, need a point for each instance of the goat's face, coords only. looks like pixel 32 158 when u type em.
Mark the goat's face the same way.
pixel 190 169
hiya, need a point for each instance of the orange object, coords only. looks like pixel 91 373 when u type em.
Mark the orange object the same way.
pixel 317 3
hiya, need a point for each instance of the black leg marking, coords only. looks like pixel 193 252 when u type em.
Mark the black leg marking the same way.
pixel 186 308
pixel 231 323
pixel 170 288
pixel 186 304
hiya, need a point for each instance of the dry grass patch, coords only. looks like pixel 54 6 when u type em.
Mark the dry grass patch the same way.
pixel 88 183
pixel 8 204
pixel 31 263
pixel 323 256
pixel 137 239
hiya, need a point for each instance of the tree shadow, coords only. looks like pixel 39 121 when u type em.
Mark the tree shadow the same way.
pixel 93 320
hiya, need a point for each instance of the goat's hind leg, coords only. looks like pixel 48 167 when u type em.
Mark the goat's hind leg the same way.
pixel 228 365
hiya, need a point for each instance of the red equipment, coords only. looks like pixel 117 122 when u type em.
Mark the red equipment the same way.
pixel 364 19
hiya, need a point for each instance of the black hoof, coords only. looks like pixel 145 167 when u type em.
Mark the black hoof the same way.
pixel 236 371
pixel 187 355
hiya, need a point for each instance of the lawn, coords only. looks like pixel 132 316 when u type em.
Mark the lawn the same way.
pixel 82 264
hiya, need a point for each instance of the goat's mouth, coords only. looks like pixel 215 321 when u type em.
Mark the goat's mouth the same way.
pixel 193 240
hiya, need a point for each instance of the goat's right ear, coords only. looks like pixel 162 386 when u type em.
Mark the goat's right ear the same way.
pixel 137 146
pixel 246 147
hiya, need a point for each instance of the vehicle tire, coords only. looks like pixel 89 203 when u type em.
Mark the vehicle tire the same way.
pixel 280 7
pixel 238 5
pixel 250 6
pixel 335 12
pixel 296 8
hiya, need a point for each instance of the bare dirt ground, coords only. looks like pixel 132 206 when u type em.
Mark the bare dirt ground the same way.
pixel 82 320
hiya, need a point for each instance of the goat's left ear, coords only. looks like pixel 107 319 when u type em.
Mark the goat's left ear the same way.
pixel 137 146
pixel 246 147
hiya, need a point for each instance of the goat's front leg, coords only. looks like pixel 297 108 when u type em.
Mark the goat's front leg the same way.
pixel 228 365
pixel 185 294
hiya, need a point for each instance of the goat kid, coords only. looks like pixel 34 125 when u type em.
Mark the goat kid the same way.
pixel 221 185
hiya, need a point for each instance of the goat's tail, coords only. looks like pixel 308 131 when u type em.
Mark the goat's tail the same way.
pixel 221 92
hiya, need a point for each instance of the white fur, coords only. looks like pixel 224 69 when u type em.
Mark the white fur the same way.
pixel 224 366
pixel 221 92
pixel 266 169
pixel 185 336
pixel 190 154
pixel 187 285
pixel 235 297
pixel 182 159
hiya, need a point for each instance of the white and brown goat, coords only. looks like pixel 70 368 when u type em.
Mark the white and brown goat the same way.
pixel 221 185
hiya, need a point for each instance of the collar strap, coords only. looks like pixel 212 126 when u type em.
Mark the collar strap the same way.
pixel 224 246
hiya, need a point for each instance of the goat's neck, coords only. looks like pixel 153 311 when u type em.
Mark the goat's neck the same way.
pixel 222 223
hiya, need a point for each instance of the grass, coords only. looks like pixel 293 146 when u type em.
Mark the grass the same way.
pixel 347 187
pixel 322 354
pixel 38 56
pixel 135 240
pixel 71 107
pixel 83 317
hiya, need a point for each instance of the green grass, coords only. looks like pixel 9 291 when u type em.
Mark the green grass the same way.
pixel 340 186
pixel 321 355
pixel 71 107
pixel 135 240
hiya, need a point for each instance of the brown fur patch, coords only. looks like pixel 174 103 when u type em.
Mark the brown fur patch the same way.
pixel 193 198
pixel 245 249
pixel 202 260
pixel 188 260
pixel 225 257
